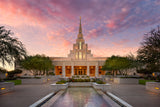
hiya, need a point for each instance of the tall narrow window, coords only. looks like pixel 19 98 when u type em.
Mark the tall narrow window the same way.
pixel 80 55
pixel 76 55
pixel 84 55
pixel 80 45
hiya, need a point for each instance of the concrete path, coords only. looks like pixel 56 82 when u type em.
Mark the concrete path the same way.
pixel 25 95
pixel 136 95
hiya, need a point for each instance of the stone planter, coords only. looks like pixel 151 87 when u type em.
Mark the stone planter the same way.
pixel 153 86
pixel 80 84
pixel 34 81
pixel 103 87
pixel 125 81
pixel 57 87
pixel 6 87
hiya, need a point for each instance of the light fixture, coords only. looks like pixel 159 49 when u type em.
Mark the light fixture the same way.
pixel 3 88
pixel 156 88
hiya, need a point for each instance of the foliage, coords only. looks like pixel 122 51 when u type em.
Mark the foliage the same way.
pixel 61 82
pixel 115 63
pixel 149 52
pixel 144 71
pixel 79 80
pixel 100 82
pixel 12 74
pixel 51 73
pixel 11 48
pixel 108 73
pixel 143 82
pixel 16 82
pixel 3 70
pixel 39 64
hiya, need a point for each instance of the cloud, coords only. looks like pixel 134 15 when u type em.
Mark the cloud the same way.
pixel 45 23
pixel 121 42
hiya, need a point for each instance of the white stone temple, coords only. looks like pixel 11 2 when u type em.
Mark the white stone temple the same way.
pixel 80 61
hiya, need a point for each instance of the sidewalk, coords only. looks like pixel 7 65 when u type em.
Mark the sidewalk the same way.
pixel 25 95
pixel 136 95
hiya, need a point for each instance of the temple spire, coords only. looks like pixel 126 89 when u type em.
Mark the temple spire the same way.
pixel 80 27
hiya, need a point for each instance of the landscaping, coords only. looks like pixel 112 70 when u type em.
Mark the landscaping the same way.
pixel 143 82
pixel 16 82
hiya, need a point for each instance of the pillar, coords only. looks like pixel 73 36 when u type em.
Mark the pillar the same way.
pixel 72 70
pixel 88 70
pixel 63 71
pixel 96 71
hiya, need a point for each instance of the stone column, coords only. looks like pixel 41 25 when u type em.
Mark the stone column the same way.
pixel 72 70
pixel 96 71
pixel 63 71
pixel 88 70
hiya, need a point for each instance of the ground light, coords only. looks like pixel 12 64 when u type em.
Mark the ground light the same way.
pixel 3 88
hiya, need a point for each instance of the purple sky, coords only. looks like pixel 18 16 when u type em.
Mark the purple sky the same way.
pixel 51 26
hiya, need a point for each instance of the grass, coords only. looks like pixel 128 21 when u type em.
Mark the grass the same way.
pixel 143 82
pixel 16 82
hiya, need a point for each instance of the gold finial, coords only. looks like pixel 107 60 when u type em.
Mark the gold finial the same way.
pixel 80 17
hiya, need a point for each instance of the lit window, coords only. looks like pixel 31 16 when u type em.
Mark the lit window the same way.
pixel 80 55
pixel 76 55
pixel 80 45
pixel 84 56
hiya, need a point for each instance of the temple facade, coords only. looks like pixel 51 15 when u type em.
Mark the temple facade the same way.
pixel 80 61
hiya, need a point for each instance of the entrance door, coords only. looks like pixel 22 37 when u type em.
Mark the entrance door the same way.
pixel 80 70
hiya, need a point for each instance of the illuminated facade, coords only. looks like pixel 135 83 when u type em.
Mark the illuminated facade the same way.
pixel 80 61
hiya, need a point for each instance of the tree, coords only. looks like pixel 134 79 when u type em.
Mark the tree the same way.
pixel 13 73
pixel 11 49
pixel 38 64
pixel 149 52
pixel 117 63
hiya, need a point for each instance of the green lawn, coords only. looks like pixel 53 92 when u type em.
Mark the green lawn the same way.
pixel 16 82
pixel 143 82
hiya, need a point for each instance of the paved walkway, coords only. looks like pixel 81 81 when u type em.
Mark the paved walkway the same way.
pixel 136 95
pixel 24 95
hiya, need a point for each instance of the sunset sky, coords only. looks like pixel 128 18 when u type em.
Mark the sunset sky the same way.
pixel 109 27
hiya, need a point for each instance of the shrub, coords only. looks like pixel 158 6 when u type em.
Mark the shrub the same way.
pixel 51 73
pixel 100 82
pixel 37 77
pixel 143 82
pixel 61 82
pixel 11 74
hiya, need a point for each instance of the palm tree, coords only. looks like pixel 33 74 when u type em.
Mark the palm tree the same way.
pixel 11 49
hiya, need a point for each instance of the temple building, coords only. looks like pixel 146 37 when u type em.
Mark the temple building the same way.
pixel 80 61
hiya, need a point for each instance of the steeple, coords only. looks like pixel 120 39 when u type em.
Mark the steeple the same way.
pixel 80 35
pixel 80 27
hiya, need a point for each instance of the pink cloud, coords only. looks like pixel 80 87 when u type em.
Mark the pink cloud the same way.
pixel 121 42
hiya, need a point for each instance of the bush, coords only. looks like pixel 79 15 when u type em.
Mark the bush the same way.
pixel 37 77
pixel 143 82
pixel 108 73
pixel 51 73
pixel 100 82
pixel 61 82
pixel 11 74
